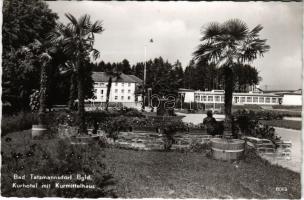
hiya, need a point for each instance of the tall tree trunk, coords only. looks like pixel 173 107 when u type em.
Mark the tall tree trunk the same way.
pixel 42 98
pixel 81 111
pixel 72 95
pixel 108 93
pixel 228 92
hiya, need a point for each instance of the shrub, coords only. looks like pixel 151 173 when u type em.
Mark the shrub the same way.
pixel 248 124
pixel 169 129
pixel 34 101
pixel 18 122
pixel 200 147
pixel 67 160
pixel 114 125
pixel 131 112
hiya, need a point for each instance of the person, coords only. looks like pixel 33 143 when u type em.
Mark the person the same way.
pixel 210 123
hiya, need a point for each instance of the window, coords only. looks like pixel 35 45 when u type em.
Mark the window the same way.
pixel 129 84
pixel 204 98
pixel 129 97
pixel 273 100
pixel 236 99
pixel 217 98
pixel 95 91
pixel 116 97
pixel 267 100
pixel 122 97
pixel 222 98
pixel 249 99
pixel 122 91
pixel 243 99
pixel 116 90
pixel 101 91
pixel 210 98
pixel 101 96
pixel 261 99
pixel 255 99
pixel 129 91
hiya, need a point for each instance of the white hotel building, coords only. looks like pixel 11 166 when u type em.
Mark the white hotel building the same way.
pixel 123 89
pixel 256 98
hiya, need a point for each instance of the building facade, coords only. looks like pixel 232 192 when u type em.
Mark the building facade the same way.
pixel 253 98
pixel 123 89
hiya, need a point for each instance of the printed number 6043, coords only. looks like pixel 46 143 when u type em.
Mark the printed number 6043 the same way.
pixel 281 189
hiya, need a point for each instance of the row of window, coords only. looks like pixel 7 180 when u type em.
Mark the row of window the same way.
pixel 116 90
pixel 122 97
pixel 122 91
pixel 116 84
pixel 116 97
pixel 238 99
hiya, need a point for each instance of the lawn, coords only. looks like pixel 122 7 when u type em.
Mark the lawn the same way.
pixel 291 124
pixel 141 174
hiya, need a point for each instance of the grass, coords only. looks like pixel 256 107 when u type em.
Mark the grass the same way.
pixel 185 175
pixel 295 108
pixel 291 124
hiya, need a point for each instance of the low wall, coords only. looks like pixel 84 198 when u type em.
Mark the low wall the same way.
pixel 143 140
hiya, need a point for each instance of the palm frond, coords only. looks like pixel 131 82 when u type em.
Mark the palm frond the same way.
pixel 84 21
pixel 255 31
pixel 71 18
pixel 235 28
pixel 95 53
pixel 212 30
pixel 209 51
pixel 97 27
pixel 252 48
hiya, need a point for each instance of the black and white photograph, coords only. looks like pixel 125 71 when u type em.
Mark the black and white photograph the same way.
pixel 171 100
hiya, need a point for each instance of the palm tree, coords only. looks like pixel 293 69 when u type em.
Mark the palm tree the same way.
pixel 77 39
pixel 45 59
pixel 226 45
pixel 69 69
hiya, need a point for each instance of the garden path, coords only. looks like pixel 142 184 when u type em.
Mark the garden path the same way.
pixel 294 136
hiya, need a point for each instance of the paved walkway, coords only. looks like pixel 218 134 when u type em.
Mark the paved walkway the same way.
pixel 296 150
pixel 198 118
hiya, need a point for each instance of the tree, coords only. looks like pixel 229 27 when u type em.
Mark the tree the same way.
pixel 226 45
pixel 77 39
pixel 24 22
pixel 45 59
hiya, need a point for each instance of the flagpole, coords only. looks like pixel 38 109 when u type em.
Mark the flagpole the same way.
pixel 145 74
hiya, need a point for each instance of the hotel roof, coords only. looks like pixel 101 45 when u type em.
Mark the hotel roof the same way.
pixel 123 78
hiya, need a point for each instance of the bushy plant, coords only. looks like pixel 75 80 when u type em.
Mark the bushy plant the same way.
pixel 65 159
pixel 248 123
pixel 114 125
pixel 259 114
pixel 130 112
pixel 34 101
pixel 169 129
pixel 200 147
pixel 18 122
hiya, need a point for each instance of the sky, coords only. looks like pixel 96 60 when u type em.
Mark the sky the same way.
pixel 176 30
